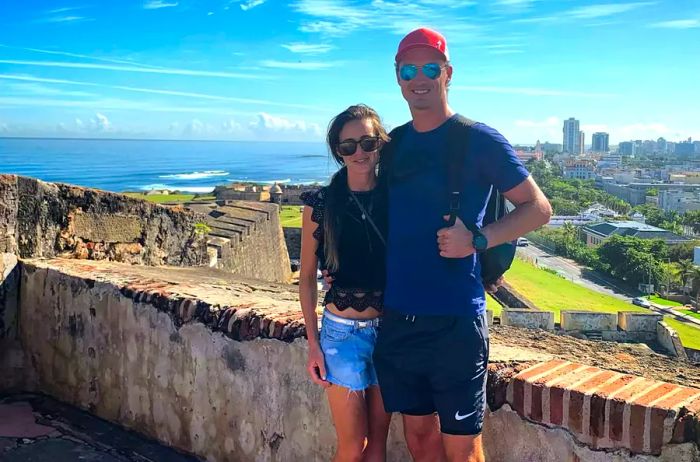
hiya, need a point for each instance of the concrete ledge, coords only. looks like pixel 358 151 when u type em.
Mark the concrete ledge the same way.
pixel 588 321
pixel 489 317
pixel 632 321
pixel 528 319
pixel 668 338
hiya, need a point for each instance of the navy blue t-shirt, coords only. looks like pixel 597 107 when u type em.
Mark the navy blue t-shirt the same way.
pixel 419 280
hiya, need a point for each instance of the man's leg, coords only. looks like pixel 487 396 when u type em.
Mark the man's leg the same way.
pixel 422 433
pixel 463 448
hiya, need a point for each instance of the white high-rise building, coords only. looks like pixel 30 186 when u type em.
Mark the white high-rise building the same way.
pixel 572 136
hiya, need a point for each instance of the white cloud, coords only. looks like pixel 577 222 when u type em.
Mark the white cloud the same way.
pixel 162 70
pixel 340 17
pixel 308 48
pixel 4 128
pixel 279 127
pixel 211 13
pixel 66 19
pixel 202 96
pixel 79 123
pixel 643 131
pixel 593 128
pixel 250 4
pixel 529 91
pixel 195 128
pixel 678 24
pixel 100 123
pixel 77 55
pixel 299 65
pixel 157 4
pixel 231 126
pixel 587 12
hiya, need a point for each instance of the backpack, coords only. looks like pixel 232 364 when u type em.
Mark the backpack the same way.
pixel 496 260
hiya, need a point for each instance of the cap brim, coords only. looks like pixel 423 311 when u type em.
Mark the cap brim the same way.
pixel 418 45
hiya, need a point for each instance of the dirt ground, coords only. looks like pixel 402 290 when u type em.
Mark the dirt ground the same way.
pixel 635 359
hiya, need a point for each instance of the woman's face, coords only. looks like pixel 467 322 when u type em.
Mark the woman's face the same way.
pixel 361 162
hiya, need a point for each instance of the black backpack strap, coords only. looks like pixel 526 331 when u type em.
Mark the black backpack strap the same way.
pixel 457 147
pixel 388 151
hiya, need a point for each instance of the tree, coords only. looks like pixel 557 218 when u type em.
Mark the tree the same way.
pixel 685 268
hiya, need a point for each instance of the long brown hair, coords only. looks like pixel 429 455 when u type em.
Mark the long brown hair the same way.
pixel 337 191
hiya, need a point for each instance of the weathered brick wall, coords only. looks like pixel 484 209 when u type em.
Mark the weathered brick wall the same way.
pixel 193 357
pixel 39 219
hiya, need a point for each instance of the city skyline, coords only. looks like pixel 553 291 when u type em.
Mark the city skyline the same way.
pixel 263 70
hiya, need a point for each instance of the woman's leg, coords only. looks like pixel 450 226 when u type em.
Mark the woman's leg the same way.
pixel 349 412
pixel 378 421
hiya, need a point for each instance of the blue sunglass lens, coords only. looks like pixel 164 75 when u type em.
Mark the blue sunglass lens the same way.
pixel 431 70
pixel 408 72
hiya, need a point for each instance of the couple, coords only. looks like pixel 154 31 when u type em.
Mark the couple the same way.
pixel 385 241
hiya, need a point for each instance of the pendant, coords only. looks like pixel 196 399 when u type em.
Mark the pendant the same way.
pixel 363 216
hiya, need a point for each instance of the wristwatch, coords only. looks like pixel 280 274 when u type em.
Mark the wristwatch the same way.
pixel 479 241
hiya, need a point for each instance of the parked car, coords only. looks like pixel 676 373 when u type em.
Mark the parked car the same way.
pixel 641 301
pixel 522 242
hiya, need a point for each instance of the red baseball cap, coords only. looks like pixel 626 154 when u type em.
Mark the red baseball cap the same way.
pixel 423 37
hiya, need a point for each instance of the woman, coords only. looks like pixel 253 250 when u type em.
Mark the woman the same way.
pixel 343 229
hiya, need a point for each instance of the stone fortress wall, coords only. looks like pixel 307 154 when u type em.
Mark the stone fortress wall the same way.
pixel 212 363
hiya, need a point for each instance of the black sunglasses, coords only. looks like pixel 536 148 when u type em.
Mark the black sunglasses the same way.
pixel 367 143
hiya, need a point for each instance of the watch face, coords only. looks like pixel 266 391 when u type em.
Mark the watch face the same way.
pixel 480 243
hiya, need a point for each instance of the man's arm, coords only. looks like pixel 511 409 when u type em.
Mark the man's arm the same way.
pixel 532 210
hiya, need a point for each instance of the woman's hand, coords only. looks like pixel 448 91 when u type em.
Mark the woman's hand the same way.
pixel 316 367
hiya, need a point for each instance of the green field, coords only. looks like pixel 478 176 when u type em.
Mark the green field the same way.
pixel 290 216
pixel 553 293
pixel 663 301
pixel 161 198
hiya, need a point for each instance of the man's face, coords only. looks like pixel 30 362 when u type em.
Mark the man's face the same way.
pixel 423 93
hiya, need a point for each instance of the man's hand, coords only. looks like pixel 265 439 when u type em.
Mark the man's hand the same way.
pixel 493 288
pixel 455 241
pixel 327 280
pixel 316 367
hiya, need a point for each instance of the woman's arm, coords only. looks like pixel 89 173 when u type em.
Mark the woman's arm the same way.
pixel 308 297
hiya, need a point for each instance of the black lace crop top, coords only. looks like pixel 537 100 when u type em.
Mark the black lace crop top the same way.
pixel 359 281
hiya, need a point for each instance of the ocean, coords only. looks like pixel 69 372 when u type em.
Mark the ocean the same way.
pixel 142 165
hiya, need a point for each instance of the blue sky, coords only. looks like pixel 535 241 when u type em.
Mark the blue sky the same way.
pixel 280 69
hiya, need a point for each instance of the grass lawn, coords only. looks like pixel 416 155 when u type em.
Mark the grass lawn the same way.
pixel 493 305
pixel 290 217
pixel 160 198
pixel 690 313
pixel 663 301
pixel 553 293
pixel 690 336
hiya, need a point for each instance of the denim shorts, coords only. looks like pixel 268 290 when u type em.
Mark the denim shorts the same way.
pixel 347 347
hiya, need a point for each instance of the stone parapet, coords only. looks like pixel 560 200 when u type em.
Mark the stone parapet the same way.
pixel 529 319
pixel 577 320
pixel 632 321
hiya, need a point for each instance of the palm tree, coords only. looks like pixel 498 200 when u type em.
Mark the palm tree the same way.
pixel 694 276
pixel 685 268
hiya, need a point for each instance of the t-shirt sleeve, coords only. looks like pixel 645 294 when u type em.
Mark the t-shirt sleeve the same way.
pixel 499 164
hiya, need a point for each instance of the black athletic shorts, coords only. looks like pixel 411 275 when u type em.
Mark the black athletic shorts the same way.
pixel 428 364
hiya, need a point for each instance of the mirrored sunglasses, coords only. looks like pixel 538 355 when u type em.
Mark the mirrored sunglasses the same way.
pixel 367 143
pixel 430 70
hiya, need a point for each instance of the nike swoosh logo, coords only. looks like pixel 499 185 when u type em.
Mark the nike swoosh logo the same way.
pixel 462 417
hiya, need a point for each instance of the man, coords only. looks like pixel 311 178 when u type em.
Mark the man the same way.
pixel 432 350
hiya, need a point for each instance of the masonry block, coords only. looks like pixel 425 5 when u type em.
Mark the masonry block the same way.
pixel 638 322
pixel 489 317
pixel 528 319
pixel 587 321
